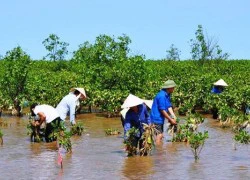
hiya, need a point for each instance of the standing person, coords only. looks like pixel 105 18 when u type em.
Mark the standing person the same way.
pixel 47 114
pixel 136 115
pixel 162 108
pixel 218 88
pixel 69 103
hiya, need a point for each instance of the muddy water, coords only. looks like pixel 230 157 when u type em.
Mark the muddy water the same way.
pixel 97 156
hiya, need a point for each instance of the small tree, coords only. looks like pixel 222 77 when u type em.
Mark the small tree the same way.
pixel 205 48
pixel 16 67
pixel 173 53
pixel 57 49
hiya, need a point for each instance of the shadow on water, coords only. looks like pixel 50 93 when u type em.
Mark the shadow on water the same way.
pixel 98 156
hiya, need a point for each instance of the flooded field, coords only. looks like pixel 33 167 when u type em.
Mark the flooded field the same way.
pixel 97 156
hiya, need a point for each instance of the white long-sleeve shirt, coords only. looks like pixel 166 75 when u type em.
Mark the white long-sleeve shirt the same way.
pixel 68 104
pixel 49 112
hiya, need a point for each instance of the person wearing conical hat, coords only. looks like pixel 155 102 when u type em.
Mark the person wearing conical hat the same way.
pixel 162 108
pixel 69 103
pixel 219 86
pixel 136 115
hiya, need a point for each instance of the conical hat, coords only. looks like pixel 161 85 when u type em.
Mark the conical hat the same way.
pixel 131 101
pixel 81 90
pixel 149 103
pixel 123 112
pixel 220 82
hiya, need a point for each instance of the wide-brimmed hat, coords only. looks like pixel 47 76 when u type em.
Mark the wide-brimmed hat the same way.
pixel 123 112
pixel 168 84
pixel 220 82
pixel 131 101
pixel 81 90
pixel 149 103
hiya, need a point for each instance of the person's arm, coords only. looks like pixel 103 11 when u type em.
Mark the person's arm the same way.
pixel 165 104
pixel 171 120
pixel 72 112
pixel 127 126
pixel 171 111
pixel 42 118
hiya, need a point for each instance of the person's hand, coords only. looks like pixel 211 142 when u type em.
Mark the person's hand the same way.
pixel 37 123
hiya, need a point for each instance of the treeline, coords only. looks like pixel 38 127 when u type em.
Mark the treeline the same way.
pixel 108 73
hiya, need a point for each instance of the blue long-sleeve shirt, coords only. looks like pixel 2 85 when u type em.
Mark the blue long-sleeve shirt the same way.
pixel 133 119
pixel 162 101
pixel 216 90
pixel 68 105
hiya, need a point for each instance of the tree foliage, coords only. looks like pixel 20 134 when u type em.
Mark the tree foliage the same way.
pixel 16 67
pixel 57 49
pixel 205 48
pixel 173 53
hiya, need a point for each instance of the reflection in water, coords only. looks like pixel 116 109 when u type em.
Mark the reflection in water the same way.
pixel 138 166
pixel 97 156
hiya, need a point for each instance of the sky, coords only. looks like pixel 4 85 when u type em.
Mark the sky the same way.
pixel 151 25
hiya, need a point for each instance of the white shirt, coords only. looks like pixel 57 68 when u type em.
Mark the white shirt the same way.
pixel 49 111
pixel 68 104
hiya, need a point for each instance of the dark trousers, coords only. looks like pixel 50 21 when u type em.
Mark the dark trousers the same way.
pixel 50 127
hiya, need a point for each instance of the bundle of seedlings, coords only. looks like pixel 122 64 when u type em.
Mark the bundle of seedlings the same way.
pixel 112 131
pixel 196 141
pixel 131 141
pixel 77 129
pixel 148 139
pixel 1 137
pixel 62 136
pixel 36 133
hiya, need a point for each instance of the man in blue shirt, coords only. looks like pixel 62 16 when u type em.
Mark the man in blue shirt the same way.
pixel 162 108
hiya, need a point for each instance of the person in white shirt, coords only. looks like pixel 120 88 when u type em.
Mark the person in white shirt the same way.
pixel 47 114
pixel 69 103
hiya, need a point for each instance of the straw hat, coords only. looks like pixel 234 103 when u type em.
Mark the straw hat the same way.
pixel 168 84
pixel 149 103
pixel 81 90
pixel 220 82
pixel 131 101
pixel 123 112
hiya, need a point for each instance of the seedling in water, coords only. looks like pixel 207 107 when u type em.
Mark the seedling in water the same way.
pixel 196 141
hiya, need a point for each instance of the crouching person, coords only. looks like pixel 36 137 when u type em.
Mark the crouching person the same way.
pixel 50 116
pixel 133 123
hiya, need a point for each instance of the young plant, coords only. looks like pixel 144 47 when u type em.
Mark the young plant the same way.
pixel 36 133
pixel 77 129
pixel 1 137
pixel 196 141
pixel 242 137
pixel 112 131
pixel 62 136
pixel 131 142
pixel 227 115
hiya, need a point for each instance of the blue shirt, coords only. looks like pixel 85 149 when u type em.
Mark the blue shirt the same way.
pixel 216 90
pixel 68 105
pixel 162 101
pixel 135 119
